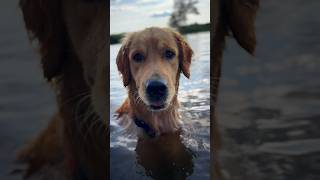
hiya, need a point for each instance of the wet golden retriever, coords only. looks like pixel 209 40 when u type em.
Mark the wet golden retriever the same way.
pixel 71 37
pixel 150 62
pixel 236 18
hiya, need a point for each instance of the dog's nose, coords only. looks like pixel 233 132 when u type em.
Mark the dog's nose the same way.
pixel 156 90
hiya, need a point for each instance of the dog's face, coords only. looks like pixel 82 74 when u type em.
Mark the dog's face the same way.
pixel 151 61
pixel 68 28
pixel 154 63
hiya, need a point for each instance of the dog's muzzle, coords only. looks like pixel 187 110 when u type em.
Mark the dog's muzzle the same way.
pixel 157 93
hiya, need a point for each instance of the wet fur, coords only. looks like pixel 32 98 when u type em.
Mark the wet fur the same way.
pixel 75 142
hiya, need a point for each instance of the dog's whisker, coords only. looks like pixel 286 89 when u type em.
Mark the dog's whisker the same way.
pixel 74 98
pixel 85 118
pixel 76 109
pixel 94 121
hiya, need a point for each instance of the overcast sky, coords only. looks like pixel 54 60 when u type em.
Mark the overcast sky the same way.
pixel 132 15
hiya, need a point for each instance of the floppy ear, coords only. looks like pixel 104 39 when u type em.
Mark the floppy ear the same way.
pixel 43 21
pixel 123 64
pixel 185 54
pixel 241 16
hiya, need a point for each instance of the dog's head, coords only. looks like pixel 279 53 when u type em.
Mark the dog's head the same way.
pixel 75 29
pixel 150 62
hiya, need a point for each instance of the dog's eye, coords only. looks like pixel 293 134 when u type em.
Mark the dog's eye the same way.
pixel 168 54
pixel 138 57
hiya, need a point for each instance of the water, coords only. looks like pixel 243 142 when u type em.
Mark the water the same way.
pixel 26 101
pixel 269 105
pixel 195 110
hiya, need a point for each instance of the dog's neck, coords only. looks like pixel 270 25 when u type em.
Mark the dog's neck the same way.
pixel 161 122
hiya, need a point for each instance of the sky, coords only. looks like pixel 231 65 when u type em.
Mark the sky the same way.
pixel 133 15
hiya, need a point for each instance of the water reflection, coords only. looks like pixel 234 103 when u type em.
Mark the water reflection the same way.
pixel 269 106
pixel 178 156
pixel 165 158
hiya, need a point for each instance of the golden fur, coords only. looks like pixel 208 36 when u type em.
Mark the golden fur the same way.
pixel 234 17
pixel 72 42
pixel 153 42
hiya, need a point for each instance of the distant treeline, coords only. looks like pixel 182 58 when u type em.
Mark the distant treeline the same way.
pixel 193 28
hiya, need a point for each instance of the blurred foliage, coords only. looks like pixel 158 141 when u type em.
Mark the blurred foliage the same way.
pixel 116 38
pixel 193 28
pixel 181 9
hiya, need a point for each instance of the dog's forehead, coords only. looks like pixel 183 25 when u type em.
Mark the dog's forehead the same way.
pixel 153 36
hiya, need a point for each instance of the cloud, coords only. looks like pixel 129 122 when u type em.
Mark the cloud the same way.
pixel 161 14
pixel 132 5
pixel 148 2
pixel 123 8
pixel 135 2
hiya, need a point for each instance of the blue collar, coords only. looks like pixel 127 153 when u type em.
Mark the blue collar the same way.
pixel 146 128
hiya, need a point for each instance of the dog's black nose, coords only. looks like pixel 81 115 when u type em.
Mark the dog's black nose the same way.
pixel 156 90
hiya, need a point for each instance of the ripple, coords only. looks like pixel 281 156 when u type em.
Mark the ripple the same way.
pixel 296 147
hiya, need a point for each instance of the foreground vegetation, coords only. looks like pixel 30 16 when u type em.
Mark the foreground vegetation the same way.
pixel 193 28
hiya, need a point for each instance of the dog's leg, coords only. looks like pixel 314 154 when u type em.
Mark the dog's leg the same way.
pixel 219 34
pixel 238 17
pixel 45 150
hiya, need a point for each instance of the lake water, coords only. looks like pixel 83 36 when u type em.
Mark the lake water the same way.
pixel 26 100
pixel 269 106
pixel 194 97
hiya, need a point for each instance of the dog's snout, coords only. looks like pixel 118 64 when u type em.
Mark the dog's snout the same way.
pixel 156 90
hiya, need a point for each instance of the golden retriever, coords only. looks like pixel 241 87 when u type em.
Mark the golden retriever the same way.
pixel 71 36
pixel 236 17
pixel 150 62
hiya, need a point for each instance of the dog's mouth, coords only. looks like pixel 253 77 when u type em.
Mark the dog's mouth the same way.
pixel 157 106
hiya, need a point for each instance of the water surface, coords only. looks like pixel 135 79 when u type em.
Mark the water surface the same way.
pixel 269 106
pixel 26 100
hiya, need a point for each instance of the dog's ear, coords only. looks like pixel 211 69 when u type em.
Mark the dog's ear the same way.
pixel 241 16
pixel 123 63
pixel 43 21
pixel 185 54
